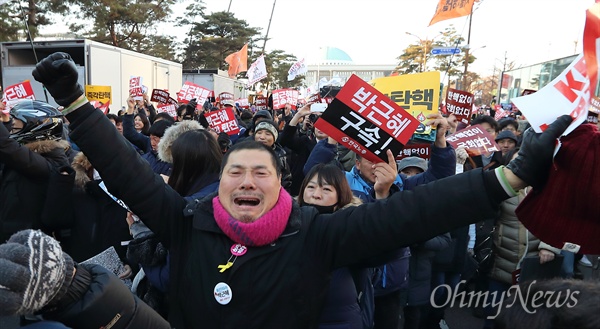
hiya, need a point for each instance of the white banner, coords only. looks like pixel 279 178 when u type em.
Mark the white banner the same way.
pixel 299 68
pixel 257 71
pixel 567 94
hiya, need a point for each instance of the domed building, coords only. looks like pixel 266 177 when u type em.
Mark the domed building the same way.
pixel 333 63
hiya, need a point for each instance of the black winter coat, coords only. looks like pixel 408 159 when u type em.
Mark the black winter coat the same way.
pixel 281 285
pixel 26 170
pixel 108 303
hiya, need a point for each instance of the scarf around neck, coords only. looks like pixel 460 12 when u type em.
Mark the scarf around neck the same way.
pixel 260 232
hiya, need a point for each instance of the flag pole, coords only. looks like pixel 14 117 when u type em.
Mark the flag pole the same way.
pixel 464 84
pixel 268 27
pixel 30 39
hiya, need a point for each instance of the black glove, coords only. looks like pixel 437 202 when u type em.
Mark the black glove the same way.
pixel 536 153
pixel 34 271
pixel 190 108
pixel 58 74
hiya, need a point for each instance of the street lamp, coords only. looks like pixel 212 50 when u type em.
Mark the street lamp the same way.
pixel 425 44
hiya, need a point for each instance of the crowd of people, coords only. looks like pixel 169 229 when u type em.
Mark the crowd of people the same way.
pixel 277 226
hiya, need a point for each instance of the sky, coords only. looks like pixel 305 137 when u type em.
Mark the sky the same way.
pixel 374 31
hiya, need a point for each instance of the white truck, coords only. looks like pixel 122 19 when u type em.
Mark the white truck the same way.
pixel 98 64
pixel 217 81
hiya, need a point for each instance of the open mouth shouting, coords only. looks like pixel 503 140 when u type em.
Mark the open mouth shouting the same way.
pixel 247 200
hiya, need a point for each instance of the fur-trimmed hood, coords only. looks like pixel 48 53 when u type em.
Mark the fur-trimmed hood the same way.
pixel 171 134
pixel 356 201
pixel 47 145
pixel 83 169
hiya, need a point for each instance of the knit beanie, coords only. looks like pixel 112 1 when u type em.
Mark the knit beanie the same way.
pixel 33 272
pixel 269 126
pixel 567 209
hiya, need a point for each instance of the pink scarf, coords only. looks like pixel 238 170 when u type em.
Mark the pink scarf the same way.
pixel 260 232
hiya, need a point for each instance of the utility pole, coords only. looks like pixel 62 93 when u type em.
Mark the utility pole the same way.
pixel 501 78
pixel 228 8
pixel 268 27
pixel 464 86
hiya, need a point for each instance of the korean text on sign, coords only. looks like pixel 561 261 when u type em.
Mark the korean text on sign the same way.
pixel 284 96
pixel 222 121
pixel 420 150
pixel 459 103
pixel 160 96
pixel 365 116
pixel 135 87
pixel 406 98
pixel 475 139
pixel 21 90
pixel 190 91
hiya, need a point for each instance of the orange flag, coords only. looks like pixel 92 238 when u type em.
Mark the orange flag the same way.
pixel 238 61
pixel 447 9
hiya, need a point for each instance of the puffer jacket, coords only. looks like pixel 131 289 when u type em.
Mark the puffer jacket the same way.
pixel 420 268
pixel 512 241
pixel 24 183
pixel 283 284
pixel 107 303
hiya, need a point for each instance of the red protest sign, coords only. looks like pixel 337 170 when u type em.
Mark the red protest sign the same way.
pixel 284 96
pixel 366 121
pixel 136 89
pixel 222 121
pixel 422 150
pixel 594 105
pixel 475 139
pixel 459 103
pixel 243 103
pixel 190 90
pixel 225 95
pixel 160 96
pixel 21 90
pixel 261 102
pixel 168 108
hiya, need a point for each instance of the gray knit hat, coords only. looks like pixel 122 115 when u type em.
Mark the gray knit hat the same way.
pixel 269 126
pixel 33 272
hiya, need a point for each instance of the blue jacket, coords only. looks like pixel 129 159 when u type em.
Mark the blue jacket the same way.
pixel 394 275
pixel 157 165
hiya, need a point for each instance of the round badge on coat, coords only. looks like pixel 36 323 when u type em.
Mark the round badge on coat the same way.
pixel 238 250
pixel 223 293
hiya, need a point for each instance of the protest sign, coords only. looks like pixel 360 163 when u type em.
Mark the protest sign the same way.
pixel 101 94
pixel 284 96
pixel 222 120
pixel 190 90
pixel 243 103
pixel 160 96
pixel 299 68
pixel 365 121
pixel 168 108
pixel 595 105
pixel 12 94
pixel 592 117
pixel 475 139
pixel 459 103
pixel 418 94
pixel 421 150
pixel 136 89
pixel 225 96
pixel 261 103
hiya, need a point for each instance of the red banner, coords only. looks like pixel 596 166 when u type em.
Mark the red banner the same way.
pixel 171 109
pixel 222 121
pixel 190 91
pixel 459 103
pixel 366 121
pixel 225 95
pixel 243 103
pixel 422 150
pixel 284 96
pixel 20 90
pixel 160 96
pixel 261 103
pixel 475 139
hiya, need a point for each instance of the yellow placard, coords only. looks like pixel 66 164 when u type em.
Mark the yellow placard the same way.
pixel 98 93
pixel 418 94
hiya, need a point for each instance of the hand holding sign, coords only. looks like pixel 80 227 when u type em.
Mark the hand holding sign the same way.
pixel 385 175
pixel 438 121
